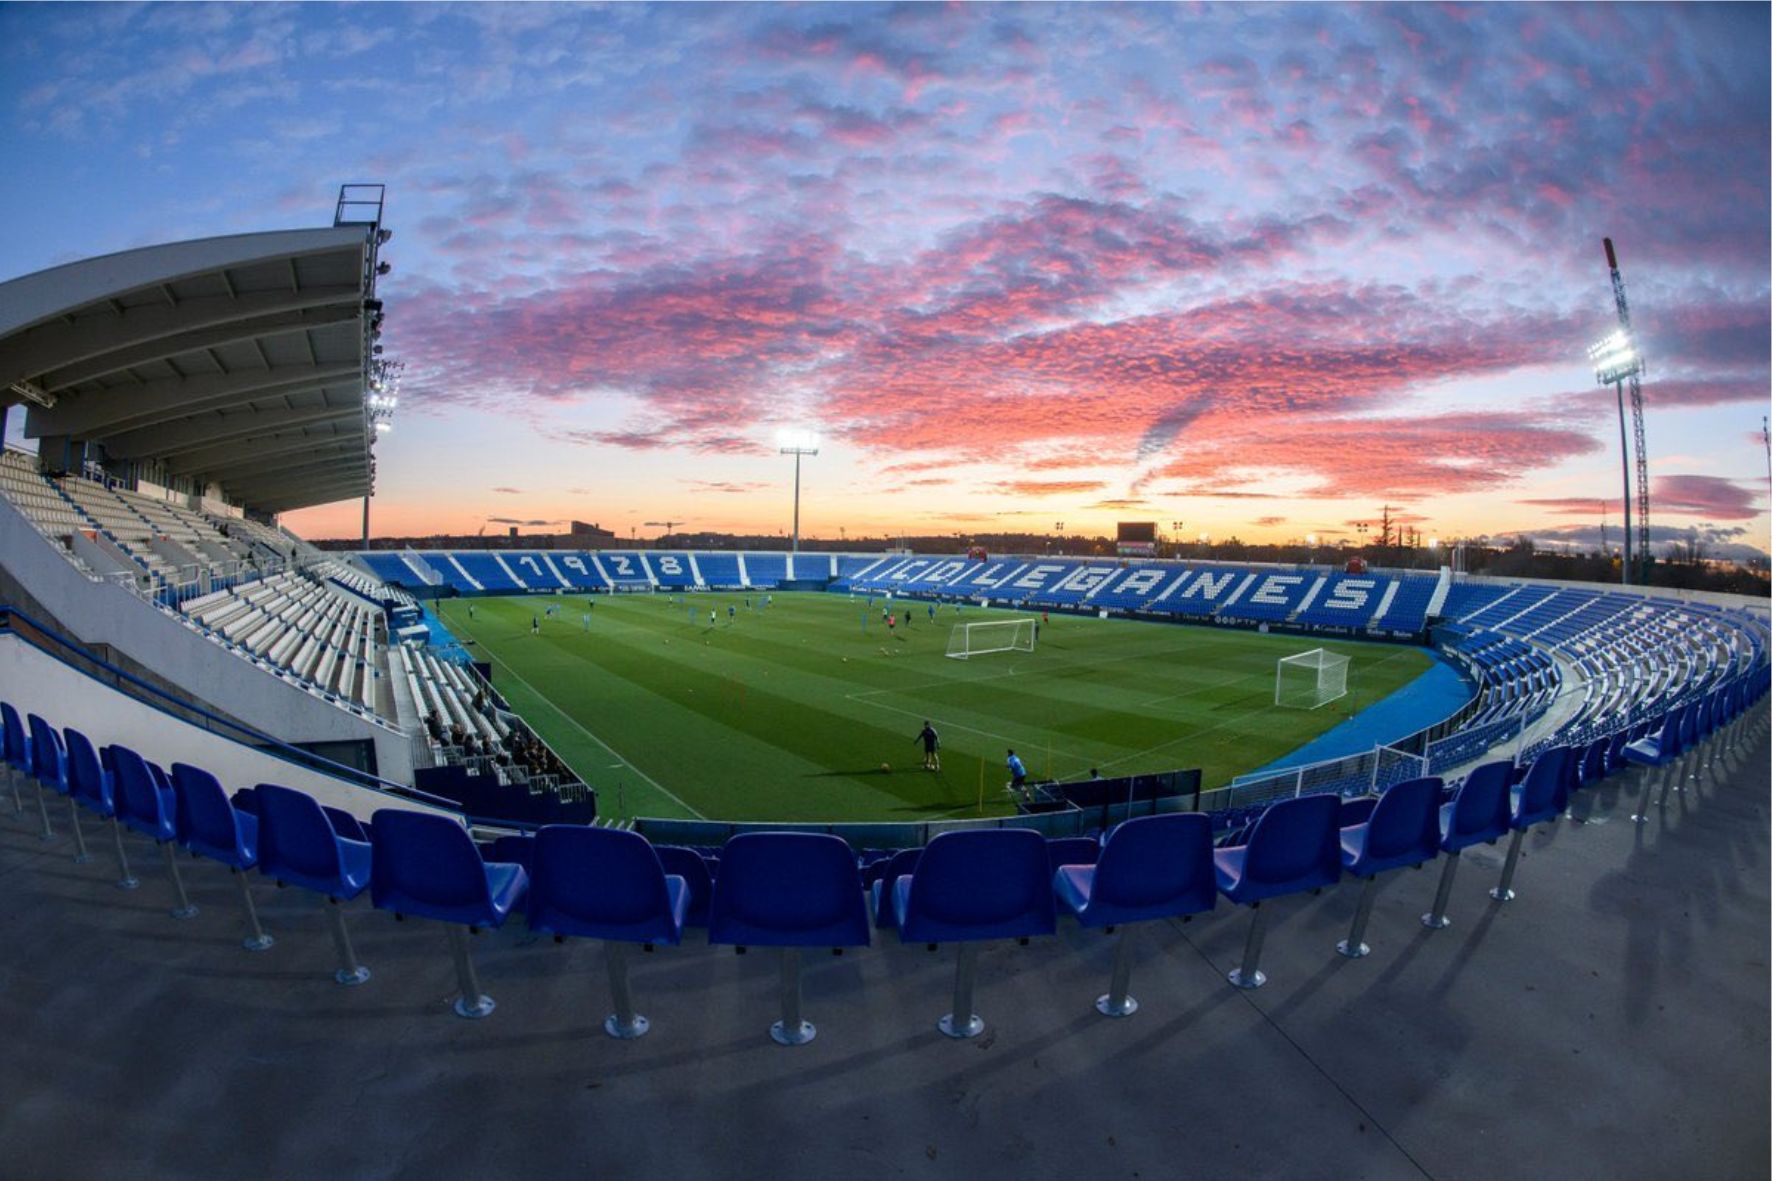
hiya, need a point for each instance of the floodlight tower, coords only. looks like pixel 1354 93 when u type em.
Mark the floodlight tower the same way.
pixel 797 444
pixel 1617 359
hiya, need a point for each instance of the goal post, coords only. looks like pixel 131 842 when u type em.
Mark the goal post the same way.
pixel 1309 680
pixel 991 635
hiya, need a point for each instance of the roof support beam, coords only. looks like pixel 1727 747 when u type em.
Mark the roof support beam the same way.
pixel 251 462
pixel 54 345
pixel 224 455
pixel 93 414
pixel 173 438
pixel 277 324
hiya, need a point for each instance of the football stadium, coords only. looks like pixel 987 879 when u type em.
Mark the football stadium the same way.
pixel 384 856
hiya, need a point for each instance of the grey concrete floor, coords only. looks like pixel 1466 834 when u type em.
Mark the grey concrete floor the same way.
pixel 1611 1022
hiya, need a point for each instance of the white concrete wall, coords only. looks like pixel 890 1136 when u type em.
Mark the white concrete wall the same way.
pixel 97 612
pixel 35 682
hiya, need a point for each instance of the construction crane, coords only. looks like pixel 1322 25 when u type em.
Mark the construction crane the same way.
pixel 1622 362
pixel 667 526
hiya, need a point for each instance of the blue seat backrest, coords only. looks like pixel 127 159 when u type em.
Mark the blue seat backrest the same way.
pixel 428 857
pixel 1480 809
pixel 1070 851
pixel 518 849
pixel 802 887
pixel 136 793
pixel 608 875
pixel 1295 839
pixel 16 752
pixel 344 824
pixel 48 759
pixel 693 869
pixel 1542 789
pixel 205 818
pixel 294 835
pixel 86 774
pixel 1157 859
pixel 1406 819
pixel 985 876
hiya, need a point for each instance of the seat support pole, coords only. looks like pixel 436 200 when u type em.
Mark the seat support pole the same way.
pixel 624 1023
pixel 18 805
pixel 257 939
pixel 963 1022
pixel 81 856
pixel 791 1030
pixel 48 834
pixel 1354 946
pixel 185 909
pixel 125 879
pixel 472 1003
pixel 1117 1002
pixel 1249 975
pixel 349 970
pixel 1670 780
pixel 1436 919
pixel 1503 891
pixel 1641 815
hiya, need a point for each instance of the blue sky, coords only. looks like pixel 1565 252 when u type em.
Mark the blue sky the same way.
pixel 1256 268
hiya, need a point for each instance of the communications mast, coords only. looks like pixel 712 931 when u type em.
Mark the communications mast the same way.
pixel 1616 361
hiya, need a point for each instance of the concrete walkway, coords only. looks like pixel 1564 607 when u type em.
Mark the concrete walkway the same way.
pixel 1610 1023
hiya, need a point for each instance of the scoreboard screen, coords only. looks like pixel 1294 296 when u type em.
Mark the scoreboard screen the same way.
pixel 1138 531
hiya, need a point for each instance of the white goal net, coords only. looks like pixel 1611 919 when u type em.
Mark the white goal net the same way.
pixel 991 635
pixel 1311 679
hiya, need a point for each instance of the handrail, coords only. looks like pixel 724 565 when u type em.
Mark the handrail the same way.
pixel 153 695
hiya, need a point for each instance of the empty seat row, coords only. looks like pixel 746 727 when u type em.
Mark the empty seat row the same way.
pixel 795 891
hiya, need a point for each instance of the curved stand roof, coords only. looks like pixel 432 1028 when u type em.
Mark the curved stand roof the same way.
pixel 239 361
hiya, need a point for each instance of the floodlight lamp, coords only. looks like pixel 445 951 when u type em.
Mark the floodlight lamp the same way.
pixel 1310 539
pixel 1433 543
pixel 1615 358
pixel 797 442
pixel 383 427
pixel 382 236
pixel 384 268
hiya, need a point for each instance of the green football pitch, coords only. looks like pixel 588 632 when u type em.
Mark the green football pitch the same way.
pixel 808 709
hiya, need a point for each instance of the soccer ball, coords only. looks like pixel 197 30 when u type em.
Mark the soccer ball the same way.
pixel 885 768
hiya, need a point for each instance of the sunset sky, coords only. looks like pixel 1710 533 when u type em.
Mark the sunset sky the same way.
pixel 1259 269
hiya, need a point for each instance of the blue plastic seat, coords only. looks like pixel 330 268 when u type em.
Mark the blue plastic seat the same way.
pixel 1478 814
pixel 1072 851
pixel 790 890
pixel 972 886
pixel 605 883
pixel 1403 830
pixel 17 750
pixel 1153 867
pixel 1535 799
pixel 209 826
pixel 426 865
pixel 1657 753
pixel 693 869
pixel 298 847
pixel 90 786
pixel 49 766
pixel 904 861
pixel 1295 846
pixel 145 804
